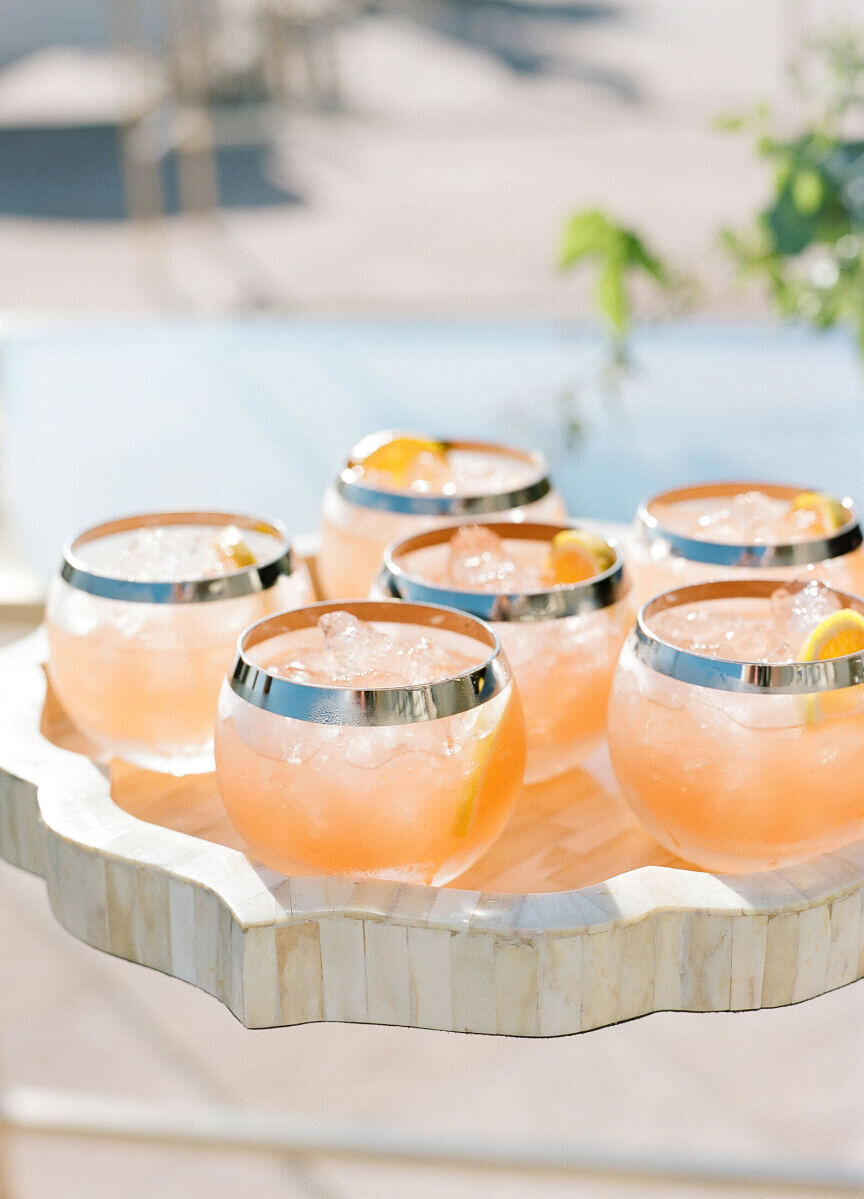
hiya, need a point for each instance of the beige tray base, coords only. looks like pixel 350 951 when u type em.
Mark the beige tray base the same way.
pixel 574 920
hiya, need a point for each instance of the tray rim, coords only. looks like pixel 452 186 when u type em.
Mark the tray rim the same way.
pixel 57 818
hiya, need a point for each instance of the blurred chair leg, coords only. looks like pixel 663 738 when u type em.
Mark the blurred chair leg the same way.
pixel 329 82
pixel 197 170
pixel 141 172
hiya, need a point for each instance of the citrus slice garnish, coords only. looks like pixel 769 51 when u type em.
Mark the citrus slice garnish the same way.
pixel 233 548
pixel 576 555
pixel 397 456
pixel 839 634
pixel 477 770
pixel 828 513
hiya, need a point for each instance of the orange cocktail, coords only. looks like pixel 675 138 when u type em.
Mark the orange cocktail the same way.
pixel 736 722
pixel 376 739
pixel 557 598
pixel 732 530
pixel 395 484
pixel 143 620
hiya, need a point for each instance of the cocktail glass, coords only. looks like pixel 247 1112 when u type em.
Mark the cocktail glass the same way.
pixel 735 530
pixel 364 510
pixel 143 621
pixel 731 753
pixel 561 640
pixel 357 771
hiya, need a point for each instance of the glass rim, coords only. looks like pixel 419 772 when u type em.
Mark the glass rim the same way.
pixel 350 486
pixel 746 676
pixel 244 580
pixel 719 553
pixel 370 706
pixel 553 603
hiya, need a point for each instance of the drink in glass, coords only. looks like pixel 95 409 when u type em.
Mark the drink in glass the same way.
pixel 143 621
pixel 370 738
pixel 395 484
pixel 736 722
pixel 730 530
pixel 556 597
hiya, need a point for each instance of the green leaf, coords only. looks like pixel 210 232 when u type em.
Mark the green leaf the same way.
pixel 808 191
pixel 586 233
pixel 728 122
pixel 636 254
pixel 791 230
pixel 612 297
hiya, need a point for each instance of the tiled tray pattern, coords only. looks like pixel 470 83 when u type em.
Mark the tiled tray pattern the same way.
pixel 574 920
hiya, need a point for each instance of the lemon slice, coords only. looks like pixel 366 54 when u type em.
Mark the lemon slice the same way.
pixel 576 555
pixel 233 548
pixel 839 634
pixel 397 456
pixel 829 513
pixel 477 770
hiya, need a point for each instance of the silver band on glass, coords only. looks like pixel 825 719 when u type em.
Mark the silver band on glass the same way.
pixel 716 553
pixel 788 678
pixel 568 599
pixel 245 580
pixel 376 705
pixel 351 486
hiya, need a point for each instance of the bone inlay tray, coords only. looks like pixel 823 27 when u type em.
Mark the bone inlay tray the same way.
pixel 574 920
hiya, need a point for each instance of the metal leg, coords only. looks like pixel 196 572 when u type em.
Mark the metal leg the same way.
pixel 229 1129
pixel 5 1139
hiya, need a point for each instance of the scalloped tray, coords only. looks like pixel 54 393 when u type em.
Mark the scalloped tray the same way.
pixel 575 919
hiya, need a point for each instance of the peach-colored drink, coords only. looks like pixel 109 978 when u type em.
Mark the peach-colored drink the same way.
pixel 736 722
pixel 395 484
pixel 347 768
pixel 562 639
pixel 734 530
pixel 143 621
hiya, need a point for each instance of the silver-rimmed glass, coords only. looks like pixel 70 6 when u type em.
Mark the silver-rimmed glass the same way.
pixel 562 642
pixel 361 517
pixel 663 558
pixel 409 782
pixel 737 766
pixel 137 656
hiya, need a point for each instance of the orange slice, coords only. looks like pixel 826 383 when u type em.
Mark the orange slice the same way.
pixel 396 457
pixel 839 634
pixel 233 548
pixel 576 555
pixel 829 514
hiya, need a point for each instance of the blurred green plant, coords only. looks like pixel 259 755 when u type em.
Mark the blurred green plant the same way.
pixel 618 256
pixel 807 244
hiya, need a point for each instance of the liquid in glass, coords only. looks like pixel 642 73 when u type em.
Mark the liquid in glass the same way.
pixel 356 773
pixel 734 530
pixel 143 622
pixel 556 597
pixel 736 722
pixel 395 484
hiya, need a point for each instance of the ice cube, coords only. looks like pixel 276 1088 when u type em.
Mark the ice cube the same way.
pixel 738 630
pixel 430 473
pixel 357 647
pixel 798 607
pixel 478 558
